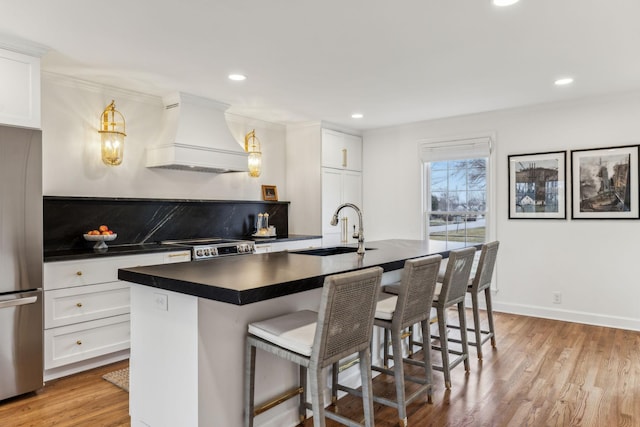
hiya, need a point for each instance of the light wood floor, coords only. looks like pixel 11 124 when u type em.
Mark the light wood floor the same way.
pixel 543 373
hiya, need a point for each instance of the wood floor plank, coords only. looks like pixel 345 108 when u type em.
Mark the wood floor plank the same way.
pixel 542 373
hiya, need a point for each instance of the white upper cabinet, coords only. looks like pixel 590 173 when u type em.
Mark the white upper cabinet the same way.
pixel 19 89
pixel 341 150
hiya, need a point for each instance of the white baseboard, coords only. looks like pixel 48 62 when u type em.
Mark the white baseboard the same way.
pixel 74 368
pixel 569 316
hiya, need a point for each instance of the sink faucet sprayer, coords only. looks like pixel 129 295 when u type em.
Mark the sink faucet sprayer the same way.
pixel 356 235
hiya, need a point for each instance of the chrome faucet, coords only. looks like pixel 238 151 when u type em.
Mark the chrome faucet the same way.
pixel 356 235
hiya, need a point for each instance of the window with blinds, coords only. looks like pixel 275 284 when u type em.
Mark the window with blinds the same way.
pixel 456 178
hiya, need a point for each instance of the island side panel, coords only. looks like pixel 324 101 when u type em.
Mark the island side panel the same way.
pixel 222 331
pixel 164 358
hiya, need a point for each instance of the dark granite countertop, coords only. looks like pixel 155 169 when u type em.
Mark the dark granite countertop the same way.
pixel 112 250
pixel 244 280
pixel 133 249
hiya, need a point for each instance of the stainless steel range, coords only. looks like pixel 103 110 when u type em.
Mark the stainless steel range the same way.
pixel 214 247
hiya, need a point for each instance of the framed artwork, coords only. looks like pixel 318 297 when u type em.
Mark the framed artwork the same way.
pixel 270 193
pixel 605 183
pixel 537 186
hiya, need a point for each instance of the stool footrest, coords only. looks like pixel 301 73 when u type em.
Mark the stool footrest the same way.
pixel 278 400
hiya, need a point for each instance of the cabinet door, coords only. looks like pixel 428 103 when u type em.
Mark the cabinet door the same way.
pixel 341 151
pixel 338 187
pixel 19 89
pixel 331 199
pixel 351 193
pixel 353 154
pixel 332 149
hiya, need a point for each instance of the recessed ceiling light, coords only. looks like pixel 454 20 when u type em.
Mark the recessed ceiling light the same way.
pixel 504 2
pixel 564 81
pixel 357 116
pixel 237 77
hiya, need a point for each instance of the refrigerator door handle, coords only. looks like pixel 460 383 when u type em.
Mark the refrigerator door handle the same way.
pixel 17 302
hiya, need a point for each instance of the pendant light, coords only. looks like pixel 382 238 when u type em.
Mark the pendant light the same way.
pixel 112 133
pixel 252 146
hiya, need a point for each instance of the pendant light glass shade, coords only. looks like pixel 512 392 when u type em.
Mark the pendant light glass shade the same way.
pixel 112 133
pixel 252 146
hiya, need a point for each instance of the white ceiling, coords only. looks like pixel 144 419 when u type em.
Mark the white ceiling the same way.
pixel 394 61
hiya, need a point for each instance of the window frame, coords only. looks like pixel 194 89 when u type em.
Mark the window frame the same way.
pixel 457 148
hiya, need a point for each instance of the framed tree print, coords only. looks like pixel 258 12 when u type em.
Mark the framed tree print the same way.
pixel 537 186
pixel 605 183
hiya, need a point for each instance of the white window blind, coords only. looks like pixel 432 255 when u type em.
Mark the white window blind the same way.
pixel 455 149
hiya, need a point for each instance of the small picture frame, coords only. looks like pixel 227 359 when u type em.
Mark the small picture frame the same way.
pixel 270 193
pixel 537 186
pixel 605 183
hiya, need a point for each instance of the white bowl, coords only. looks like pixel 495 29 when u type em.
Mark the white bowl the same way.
pixel 100 239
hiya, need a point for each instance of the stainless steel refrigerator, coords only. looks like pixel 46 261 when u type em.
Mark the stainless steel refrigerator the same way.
pixel 21 312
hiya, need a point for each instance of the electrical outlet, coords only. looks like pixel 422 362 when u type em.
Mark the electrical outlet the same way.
pixel 557 298
pixel 161 301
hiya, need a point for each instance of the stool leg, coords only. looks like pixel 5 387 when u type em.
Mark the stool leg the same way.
pixel 444 346
pixel 303 396
pixel 398 373
pixel 426 350
pixel 335 369
pixel 463 335
pixel 492 331
pixel 317 395
pixel 385 345
pixel 249 384
pixel 367 387
pixel 476 323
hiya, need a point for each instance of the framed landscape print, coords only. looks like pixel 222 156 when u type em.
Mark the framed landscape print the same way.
pixel 605 183
pixel 537 186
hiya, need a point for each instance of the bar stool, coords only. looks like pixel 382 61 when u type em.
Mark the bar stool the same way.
pixel 412 305
pixel 481 282
pixel 342 326
pixel 451 292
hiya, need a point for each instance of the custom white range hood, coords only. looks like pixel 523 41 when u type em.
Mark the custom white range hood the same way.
pixel 195 137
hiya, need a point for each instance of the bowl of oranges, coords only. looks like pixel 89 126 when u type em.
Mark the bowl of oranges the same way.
pixel 100 235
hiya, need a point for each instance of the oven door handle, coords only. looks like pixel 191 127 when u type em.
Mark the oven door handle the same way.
pixel 17 302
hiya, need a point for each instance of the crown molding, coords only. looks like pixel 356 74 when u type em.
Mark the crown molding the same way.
pixel 76 83
pixel 19 45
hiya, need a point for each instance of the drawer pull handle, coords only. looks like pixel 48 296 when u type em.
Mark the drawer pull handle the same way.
pixel 178 255
pixel 79 342
pixel 79 305
pixel 78 273
pixel 344 157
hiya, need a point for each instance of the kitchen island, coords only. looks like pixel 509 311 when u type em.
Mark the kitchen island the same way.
pixel 189 321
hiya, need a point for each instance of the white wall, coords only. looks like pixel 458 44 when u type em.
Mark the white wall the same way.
pixel 593 263
pixel 71 112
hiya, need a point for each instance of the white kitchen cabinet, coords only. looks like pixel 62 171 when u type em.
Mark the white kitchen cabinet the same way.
pixel 86 311
pixel 341 150
pixel 317 181
pixel 338 187
pixel 289 245
pixel 19 89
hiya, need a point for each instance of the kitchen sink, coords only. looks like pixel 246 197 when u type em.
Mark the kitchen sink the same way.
pixel 336 250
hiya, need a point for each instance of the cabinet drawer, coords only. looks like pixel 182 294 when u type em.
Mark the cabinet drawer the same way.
pixel 63 274
pixel 83 303
pixel 74 343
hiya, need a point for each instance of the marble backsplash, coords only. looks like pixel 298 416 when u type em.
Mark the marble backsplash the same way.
pixel 139 221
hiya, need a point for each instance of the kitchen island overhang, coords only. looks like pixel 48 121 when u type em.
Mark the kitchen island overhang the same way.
pixel 242 280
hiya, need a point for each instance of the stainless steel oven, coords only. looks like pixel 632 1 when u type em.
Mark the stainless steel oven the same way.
pixel 213 247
